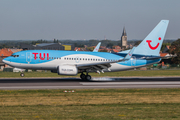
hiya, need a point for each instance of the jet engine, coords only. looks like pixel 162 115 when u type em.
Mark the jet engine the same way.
pixel 67 70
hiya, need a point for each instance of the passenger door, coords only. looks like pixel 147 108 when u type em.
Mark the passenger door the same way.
pixel 28 57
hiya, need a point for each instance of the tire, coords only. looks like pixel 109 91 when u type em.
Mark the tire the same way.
pixel 83 76
pixel 88 77
pixel 22 74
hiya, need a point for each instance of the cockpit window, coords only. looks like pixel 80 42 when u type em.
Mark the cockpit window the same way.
pixel 15 55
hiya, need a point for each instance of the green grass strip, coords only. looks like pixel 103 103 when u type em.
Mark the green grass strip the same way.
pixel 91 104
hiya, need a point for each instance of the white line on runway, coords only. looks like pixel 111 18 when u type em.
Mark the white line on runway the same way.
pixel 79 87
pixel 129 83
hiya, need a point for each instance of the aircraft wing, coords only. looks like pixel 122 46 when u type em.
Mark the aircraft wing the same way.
pixel 104 64
pixel 95 67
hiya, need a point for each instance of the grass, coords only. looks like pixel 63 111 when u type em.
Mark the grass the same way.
pixel 102 104
pixel 111 74
pixel 93 104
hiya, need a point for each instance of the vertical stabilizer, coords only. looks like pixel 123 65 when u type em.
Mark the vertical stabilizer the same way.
pixel 151 45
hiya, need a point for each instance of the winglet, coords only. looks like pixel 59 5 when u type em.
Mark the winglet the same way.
pixel 97 47
pixel 129 55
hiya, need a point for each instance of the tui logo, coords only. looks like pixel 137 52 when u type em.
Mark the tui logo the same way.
pixel 151 47
pixel 40 56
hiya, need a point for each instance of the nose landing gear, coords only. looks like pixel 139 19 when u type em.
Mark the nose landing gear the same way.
pixel 85 77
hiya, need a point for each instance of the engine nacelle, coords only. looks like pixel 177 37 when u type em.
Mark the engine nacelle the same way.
pixel 67 70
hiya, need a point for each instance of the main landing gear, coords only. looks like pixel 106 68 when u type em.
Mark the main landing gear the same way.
pixel 85 77
pixel 22 74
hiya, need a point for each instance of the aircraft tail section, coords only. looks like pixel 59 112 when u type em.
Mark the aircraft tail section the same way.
pixel 151 45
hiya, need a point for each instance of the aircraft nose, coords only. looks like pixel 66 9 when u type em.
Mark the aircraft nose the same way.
pixel 5 60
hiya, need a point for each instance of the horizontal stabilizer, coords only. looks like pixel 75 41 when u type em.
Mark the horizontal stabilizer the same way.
pixel 159 57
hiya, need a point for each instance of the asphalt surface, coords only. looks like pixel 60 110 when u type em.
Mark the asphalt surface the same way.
pixel 76 83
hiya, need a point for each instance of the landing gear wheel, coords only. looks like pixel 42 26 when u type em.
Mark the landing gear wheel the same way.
pixel 88 77
pixel 22 74
pixel 83 76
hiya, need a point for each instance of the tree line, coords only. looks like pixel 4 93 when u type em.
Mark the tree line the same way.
pixel 76 43
pixel 174 44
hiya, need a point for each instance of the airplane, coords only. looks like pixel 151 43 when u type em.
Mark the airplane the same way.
pixel 74 62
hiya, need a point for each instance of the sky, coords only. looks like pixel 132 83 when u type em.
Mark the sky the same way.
pixel 86 19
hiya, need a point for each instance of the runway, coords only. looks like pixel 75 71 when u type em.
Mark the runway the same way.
pixel 76 83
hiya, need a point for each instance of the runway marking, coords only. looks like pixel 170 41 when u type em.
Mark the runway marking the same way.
pixel 71 84
pixel 76 87
pixel 129 83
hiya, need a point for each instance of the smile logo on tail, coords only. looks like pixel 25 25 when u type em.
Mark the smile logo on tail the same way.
pixel 153 48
